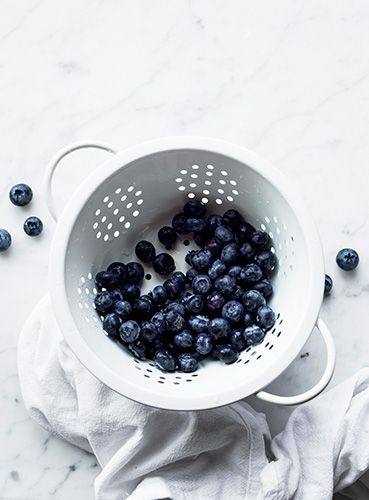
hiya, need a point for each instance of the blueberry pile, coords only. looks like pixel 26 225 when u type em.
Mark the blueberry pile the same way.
pixel 216 309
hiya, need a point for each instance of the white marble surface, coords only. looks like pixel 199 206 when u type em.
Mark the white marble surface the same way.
pixel 288 79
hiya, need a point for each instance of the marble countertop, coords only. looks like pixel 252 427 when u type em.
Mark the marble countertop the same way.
pixel 288 79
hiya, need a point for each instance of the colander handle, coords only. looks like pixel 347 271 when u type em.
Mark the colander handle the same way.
pixel 56 159
pixel 319 386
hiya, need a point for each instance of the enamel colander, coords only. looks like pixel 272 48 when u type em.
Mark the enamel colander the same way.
pixel 128 198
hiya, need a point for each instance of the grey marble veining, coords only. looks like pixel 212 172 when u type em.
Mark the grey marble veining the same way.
pixel 287 79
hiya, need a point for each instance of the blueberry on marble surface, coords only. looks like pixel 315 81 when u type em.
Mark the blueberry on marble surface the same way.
pixel 5 240
pixel 33 226
pixel 347 259
pixel 328 284
pixel 20 195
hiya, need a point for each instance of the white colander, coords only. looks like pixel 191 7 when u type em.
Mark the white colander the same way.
pixel 128 198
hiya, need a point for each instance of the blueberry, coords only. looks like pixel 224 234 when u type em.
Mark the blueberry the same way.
pixel 245 231
pixel 111 324
pixel 212 222
pixel 203 344
pixel 179 223
pixel 194 208
pixel 328 284
pixel 183 340
pixel 215 301
pixel 261 240
pixel 138 349
pixel 142 307
pixel 195 304
pixel 225 284
pixel 253 335
pixel 224 235
pixel 174 321
pixel 191 273
pixel 164 360
pixel 227 354
pixel 267 260
pixel 232 218
pixel 103 302
pixel 265 317
pixel 347 259
pixel 164 264
pixel 145 251
pixel 122 308
pixel 233 311
pixel 218 268
pixel 131 291
pixel 5 240
pixel 237 293
pixel 20 195
pixel 119 270
pixel 236 340
pixel 158 320
pixel 200 238
pixel 187 362
pixel 251 273
pixel 106 279
pixel 264 287
pixel 116 295
pixel 202 259
pixel 195 225
pixel 219 328
pixel 149 332
pixel 135 272
pixel 180 278
pixel 183 298
pixel 177 307
pixel 235 271
pixel 189 256
pixel 199 323
pixel 129 331
pixel 214 247
pixel 167 235
pixel 247 253
pixel 33 226
pixel 252 300
pixel 172 287
pixel 230 254
pixel 201 284
pixel 159 295
pixel 248 319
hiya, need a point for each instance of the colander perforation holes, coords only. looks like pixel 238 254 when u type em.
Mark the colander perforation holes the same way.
pixel 160 382
pixel 210 167
pixel 195 167
pixel 106 199
pixel 191 195
pixel 98 234
pixel 259 356
pixel 109 226
pixel 179 179
pixel 110 204
pixel 116 211
pixel 271 347
pixel 138 367
pixel 130 189
pixel 218 201
pixel 147 376
pixel 181 188
pixel 123 198
pixel 194 176
pixel 192 185
pixel 279 334
pixel 116 234
pixel 222 182
pixel 98 212
pixel 119 190
pixel 205 200
pixel 140 202
pixel 229 198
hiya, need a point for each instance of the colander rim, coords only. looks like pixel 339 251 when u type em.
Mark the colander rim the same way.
pixel 58 292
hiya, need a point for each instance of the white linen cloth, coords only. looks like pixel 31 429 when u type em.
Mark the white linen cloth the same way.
pixel 225 453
